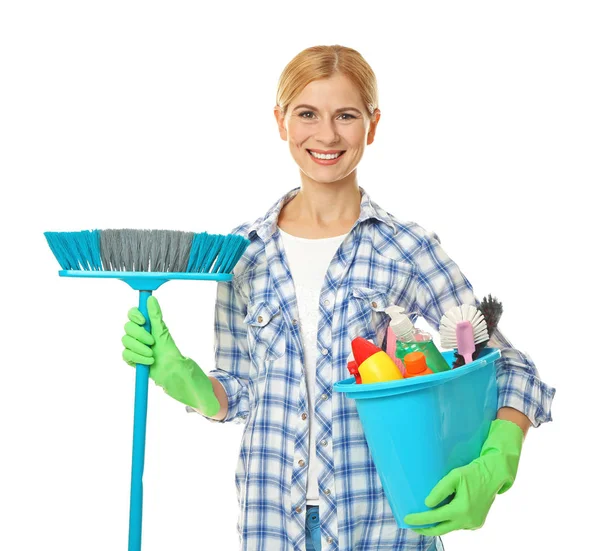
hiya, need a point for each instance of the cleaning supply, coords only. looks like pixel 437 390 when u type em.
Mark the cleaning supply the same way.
pixel 145 259
pixel 465 340
pixel 462 327
pixel 416 365
pixel 491 310
pixel 353 368
pixel 475 485
pixel 420 429
pixel 411 339
pixel 374 365
pixel 390 349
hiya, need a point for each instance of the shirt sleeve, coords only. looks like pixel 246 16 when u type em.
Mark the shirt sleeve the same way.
pixel 232 360
pixel 441 286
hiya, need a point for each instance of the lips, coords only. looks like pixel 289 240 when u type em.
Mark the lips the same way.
pixel 325 162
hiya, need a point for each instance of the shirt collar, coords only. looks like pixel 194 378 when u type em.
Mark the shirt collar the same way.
pixel 266 225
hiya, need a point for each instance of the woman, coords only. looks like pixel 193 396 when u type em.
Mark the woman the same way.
pixel 323 264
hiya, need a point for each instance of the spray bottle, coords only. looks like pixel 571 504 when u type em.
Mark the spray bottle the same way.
pixel 411 339
pixel 353 368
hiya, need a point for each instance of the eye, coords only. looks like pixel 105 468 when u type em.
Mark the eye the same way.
pixel 301 115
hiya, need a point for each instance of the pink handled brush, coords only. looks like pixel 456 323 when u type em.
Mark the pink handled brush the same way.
pixel 465 340
pixel 463 327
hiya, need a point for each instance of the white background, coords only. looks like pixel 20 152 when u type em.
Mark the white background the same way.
pixel 159 115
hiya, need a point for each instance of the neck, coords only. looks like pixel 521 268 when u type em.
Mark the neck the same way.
pixel 323 205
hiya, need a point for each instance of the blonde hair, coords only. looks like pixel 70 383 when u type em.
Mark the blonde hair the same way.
pixel 323 62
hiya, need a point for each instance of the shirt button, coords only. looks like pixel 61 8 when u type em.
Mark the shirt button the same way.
pixel 374 304
pixel 295 322
pixel 323 442
pixel 326 303
pixel 301 462
pixel 327 492
pixel 298 509
pixel 304 416
pixel 260 318
pixel 323 397
pixel 324 351
pixel 329 539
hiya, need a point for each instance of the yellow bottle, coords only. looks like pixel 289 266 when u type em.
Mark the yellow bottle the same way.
pixel 374 365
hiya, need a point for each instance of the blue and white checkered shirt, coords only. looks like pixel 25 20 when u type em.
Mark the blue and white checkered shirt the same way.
pixel 259 361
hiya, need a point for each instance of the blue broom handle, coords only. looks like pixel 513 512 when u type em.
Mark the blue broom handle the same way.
pixel 142 373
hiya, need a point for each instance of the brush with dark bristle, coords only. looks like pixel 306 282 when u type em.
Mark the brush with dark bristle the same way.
pixel 145 259
pixel 491 310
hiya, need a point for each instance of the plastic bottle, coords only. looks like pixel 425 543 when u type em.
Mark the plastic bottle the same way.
pixel 410 339
pixel 390 349
pixel 416 365
pixel 353 368
pixel 374 365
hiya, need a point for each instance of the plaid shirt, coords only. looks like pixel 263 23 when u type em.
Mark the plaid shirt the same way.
pixel 259 361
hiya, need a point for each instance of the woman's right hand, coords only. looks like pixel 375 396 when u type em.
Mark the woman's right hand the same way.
pixel 137 341
pixel 180 377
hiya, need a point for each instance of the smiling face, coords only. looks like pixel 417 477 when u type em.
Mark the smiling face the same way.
pixel 327 127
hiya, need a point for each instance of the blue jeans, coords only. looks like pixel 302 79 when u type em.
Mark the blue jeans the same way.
pixel 313 531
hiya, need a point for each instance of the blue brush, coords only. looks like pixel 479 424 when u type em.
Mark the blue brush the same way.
pixel 145 259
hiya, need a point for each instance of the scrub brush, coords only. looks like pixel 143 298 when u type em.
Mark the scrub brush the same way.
pixel 462 327
pixel 491 309
pixel 145 259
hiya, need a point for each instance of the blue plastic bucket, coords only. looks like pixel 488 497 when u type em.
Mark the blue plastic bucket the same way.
pixel 421 428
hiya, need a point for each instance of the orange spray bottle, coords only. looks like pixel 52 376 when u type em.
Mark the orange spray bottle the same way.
pixel 374 365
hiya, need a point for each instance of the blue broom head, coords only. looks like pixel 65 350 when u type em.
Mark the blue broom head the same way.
pixel 147 251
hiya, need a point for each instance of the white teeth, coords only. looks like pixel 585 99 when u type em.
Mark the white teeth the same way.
pixel 327 156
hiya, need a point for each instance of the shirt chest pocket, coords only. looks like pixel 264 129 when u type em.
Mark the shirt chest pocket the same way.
pixel 266 331
pixel 366 313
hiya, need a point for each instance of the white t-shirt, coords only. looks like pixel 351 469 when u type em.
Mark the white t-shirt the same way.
pixel 308 260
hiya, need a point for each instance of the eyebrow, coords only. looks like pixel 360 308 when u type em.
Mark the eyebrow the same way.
pixel 305 106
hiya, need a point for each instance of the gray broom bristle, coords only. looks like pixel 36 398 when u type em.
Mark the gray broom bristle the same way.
pixel 147 250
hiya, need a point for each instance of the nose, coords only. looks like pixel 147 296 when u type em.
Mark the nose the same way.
pixel 326 132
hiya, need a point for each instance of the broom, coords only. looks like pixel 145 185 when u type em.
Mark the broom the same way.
pixel 145 259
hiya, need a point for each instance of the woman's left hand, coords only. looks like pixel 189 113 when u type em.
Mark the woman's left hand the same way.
pixel 475 485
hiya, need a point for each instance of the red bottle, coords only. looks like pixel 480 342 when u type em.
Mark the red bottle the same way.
pixel 353 368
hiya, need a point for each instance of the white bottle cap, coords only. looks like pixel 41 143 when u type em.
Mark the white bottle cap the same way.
pixel 400 322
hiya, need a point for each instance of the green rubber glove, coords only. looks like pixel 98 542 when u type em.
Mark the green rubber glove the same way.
pixel 180 377
pixel 475 485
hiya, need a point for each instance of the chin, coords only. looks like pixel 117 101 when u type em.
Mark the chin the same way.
pixel 320 179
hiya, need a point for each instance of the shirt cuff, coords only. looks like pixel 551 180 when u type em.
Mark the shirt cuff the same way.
pixel 519 387
pixel 237 398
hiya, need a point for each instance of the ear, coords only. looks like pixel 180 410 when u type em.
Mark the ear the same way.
pixel 373 126
pixel 280 122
